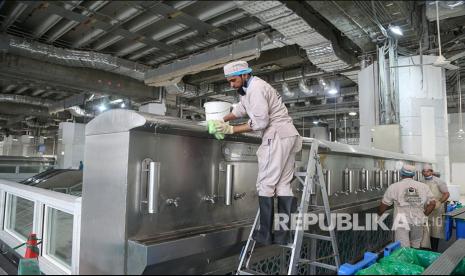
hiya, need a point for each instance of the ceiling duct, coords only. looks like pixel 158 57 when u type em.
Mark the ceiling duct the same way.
pixel 296 30
pixel 172 73
pixel 25 100
pixel 76 111
pixel 32 124
pixel 73 58
pixel 182 89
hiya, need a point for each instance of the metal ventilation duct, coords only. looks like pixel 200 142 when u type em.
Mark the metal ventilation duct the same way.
pixel 76 111
pixel 182 89
pixel 73 58
pixel 25 100
pixel 296 31
pixel 171 74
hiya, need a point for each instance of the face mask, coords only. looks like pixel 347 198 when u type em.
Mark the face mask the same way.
pixel 428 177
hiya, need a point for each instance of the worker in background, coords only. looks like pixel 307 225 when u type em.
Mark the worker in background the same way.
pixel 413 200
pixel 441 195
pixel 81 166
pixel 276 155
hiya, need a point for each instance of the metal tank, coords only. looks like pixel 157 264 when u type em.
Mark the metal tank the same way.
pixel 160 195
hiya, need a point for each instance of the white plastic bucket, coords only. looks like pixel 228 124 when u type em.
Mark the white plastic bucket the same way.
pixel 216 110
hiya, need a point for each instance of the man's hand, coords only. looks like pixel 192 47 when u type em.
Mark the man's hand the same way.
pixel 430 208
pixel 224 128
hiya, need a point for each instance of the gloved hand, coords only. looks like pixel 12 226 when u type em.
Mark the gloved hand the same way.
pixel 223 127
pixel 213 131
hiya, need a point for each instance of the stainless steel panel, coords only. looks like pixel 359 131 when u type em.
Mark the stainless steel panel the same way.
pixel 204 185
pixel 104 208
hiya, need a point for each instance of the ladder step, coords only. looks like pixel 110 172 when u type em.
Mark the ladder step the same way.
pixel 318 237
pixel 248 272
pixel 290 245
pixel 318 264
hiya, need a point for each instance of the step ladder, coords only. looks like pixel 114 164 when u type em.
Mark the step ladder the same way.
pixel 310 179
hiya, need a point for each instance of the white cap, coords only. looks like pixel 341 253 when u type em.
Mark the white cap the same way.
pixel 236 68
pixel 427 167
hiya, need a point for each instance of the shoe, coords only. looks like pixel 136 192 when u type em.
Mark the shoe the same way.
pixel 287 205
pixel 264 234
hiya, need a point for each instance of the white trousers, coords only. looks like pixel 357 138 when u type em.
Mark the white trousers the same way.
pixel 410 238
pixel 276 165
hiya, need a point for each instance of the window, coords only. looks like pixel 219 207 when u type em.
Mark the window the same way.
pixel 19 216
pixel 7 169
pixel 59 236
pixel 29 169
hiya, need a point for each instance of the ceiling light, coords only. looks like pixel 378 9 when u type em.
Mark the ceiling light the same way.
pixel 353 113
pixel 117 101
pixel 123 105
pixel 102 107
pixel 396 30
pixel 456 4
pixel 332 91
pixel 31 137
pixel 316 122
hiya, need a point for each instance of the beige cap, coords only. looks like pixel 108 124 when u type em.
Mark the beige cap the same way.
pixel 236 68
pixel 408 170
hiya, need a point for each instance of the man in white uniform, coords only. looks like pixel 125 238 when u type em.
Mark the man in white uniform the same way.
pixel 414 201
pixel 441 195
pixel 276 155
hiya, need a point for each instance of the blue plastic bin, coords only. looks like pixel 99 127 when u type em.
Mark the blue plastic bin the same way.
pixel 460 224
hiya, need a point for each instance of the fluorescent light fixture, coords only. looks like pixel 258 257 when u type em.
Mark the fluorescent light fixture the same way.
pixel 102 107
pixel 316 122
pixel 456 4
pixel 117 101
pixel 123 105
pixel 332 91
pixel 31 137
pixel 396 30
pixel 352 113
pixel 15 140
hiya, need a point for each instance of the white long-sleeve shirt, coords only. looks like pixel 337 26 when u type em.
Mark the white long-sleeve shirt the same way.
pixel 266 110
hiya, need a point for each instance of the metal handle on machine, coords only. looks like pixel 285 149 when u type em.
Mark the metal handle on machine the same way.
pixel 351 182
pixel 366 180
pixel 154 182
pixel 228 196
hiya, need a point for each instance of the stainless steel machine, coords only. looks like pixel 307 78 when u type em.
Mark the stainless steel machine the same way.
pixel 160 195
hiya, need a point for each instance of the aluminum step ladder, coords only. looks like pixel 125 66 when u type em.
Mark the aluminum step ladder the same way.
pixel 310 179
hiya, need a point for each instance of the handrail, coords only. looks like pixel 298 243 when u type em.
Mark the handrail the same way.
pixel 44 201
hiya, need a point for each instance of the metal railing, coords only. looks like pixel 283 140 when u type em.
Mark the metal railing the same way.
pixel 54 217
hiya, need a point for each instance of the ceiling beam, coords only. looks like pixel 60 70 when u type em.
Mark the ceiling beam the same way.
pixel 191 22
pixel 13 15
pixel 107 27
pixel 312 17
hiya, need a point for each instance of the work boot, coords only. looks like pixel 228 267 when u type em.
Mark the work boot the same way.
pixel 264 234
pixel 287 205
